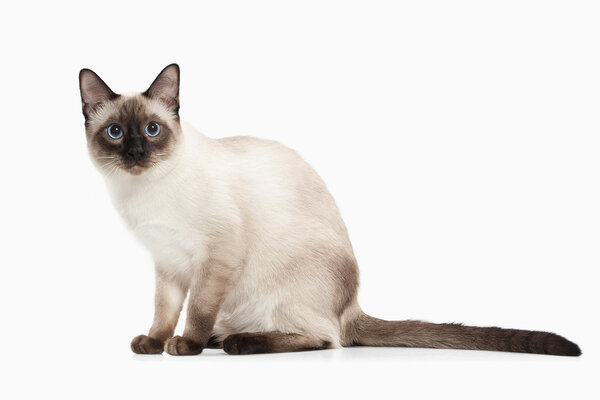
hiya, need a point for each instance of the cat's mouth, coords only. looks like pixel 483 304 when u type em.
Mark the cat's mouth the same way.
pixel 136 167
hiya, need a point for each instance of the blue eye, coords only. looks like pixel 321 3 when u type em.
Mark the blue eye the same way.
pixel 152 129
pixel 114 131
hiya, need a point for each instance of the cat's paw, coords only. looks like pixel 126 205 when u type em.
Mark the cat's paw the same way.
pixel 181 346
pixel 146 345
pixel 245 343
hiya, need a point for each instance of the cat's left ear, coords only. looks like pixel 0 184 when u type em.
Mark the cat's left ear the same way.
pixel 166 87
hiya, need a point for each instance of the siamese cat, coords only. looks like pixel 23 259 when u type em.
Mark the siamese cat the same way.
pixel 248 231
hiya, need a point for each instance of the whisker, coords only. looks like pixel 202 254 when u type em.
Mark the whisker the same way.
pixel 114 170
pixel 107 165
pixel 110 168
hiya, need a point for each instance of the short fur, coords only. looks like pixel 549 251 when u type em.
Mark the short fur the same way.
pixel 250 231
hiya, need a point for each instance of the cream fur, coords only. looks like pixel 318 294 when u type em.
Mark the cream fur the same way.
pixel 260 209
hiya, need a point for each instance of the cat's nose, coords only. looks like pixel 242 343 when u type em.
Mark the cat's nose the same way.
pixel 135 153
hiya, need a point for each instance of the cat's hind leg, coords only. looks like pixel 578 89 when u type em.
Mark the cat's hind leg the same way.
pixel 272 342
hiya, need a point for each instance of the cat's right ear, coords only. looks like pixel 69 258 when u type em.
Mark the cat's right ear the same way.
pixel 94 92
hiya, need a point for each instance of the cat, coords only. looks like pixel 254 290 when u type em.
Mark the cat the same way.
pixel 250 231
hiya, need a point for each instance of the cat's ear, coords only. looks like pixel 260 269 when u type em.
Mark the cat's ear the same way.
pixel 166 87
pixel 94 92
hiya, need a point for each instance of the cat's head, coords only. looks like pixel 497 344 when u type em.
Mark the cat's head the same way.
pixel 135 133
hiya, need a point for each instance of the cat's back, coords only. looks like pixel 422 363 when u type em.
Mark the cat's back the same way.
pixel 243 144
pixel 281 190
pixel 274 168
pixel 250 147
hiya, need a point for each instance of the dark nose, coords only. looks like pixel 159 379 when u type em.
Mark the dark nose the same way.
pixel 135 153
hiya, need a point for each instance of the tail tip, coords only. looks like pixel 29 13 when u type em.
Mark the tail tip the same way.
pixel 564 347
pixel 572 349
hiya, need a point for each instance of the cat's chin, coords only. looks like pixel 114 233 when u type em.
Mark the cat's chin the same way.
pixel 136 169
pixel 125 172
pixel 148 171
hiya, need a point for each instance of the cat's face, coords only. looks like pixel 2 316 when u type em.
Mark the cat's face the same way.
pixel 131 134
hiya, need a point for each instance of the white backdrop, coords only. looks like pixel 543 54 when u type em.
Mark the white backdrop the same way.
pixel 460 140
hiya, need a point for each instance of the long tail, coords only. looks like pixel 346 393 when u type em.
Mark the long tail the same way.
pixel 368 331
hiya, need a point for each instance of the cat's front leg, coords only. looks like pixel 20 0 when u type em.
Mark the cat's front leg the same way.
pixel 168 301
pixel 207 293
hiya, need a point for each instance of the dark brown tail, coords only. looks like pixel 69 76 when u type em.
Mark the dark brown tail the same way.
pixel 369 331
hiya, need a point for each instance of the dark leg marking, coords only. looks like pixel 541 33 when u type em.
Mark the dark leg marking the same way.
pixel 271 342
pixel 143 344
pixel 182 346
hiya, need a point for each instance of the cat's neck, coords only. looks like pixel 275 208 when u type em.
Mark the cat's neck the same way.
pixel 189 158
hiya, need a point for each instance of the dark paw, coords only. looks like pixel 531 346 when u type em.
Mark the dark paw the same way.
pixel 181 346
pixel 246 343
pixel 146 345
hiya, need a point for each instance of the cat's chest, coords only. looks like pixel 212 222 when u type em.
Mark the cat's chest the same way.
pixel 166 225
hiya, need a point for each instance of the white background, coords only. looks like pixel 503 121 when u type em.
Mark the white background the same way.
pixel 460 140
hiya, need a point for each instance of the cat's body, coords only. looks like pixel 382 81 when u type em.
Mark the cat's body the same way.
pixel 250 231
pixel 263 210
